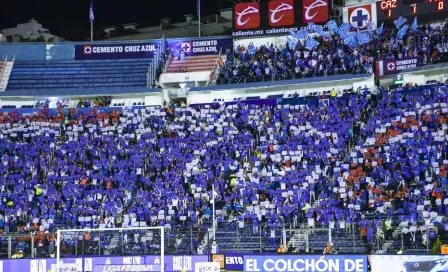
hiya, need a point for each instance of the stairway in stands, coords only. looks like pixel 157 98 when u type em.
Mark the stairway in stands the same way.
pixel 193 64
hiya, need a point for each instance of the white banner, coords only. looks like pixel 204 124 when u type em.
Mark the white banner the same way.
pixel 206 267
pixel 407 263
pixel 64 267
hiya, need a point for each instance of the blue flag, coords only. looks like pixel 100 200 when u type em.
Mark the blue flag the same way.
pixel 312 26
pixel 350 40
pixel 402 32
pixel 344 30
pixel 311 43
pixel 414 25
pixel 301 34
pixel 400 21
pixel 332 26
pixel 91 15
pixel 369 25
pixel 292 43
pixel 380 30
pixel 363 37
pixel 321 33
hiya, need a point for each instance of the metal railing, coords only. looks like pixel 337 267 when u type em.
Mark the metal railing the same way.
pixel 214 74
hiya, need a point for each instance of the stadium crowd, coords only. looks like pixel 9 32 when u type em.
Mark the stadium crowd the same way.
pixel 332 56
pixel 331 165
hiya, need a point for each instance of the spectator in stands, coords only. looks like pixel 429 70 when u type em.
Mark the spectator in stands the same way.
pixel 328 249
pixel 281 249
pixel 215 247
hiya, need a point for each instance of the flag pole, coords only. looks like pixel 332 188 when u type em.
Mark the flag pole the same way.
pixel 199 17
pixel 91 30
pixel 91 19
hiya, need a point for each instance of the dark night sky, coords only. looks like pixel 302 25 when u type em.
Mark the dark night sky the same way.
pixel 70 18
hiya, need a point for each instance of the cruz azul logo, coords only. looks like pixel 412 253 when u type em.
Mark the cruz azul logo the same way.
pixel 247 15
pixel 281 13
pixel 315 11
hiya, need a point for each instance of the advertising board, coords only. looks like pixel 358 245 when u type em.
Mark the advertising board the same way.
pixel 278 17
pixel 409 263
pixel 304 263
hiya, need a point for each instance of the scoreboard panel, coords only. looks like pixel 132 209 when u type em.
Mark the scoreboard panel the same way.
pixel 423 9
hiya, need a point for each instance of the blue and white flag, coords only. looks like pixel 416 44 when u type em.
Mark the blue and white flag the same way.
pixel 319 31
pixel 351 41
pixel 414 25
pixel 369 25
pixel 292 43
pixel 363 37
pixel 311 43
pixel 332 26
pixel 301 34
pixel 402 32
pixel 400 21
pixel 91 15
pixel 380 30
pixel 344 30
pixel 312 26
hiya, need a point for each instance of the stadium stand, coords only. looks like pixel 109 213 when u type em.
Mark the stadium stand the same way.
pixel 354 164
pixel 331 56
pixel 39 75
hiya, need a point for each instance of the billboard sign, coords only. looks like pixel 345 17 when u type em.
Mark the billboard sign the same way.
pixel 234 261
pixel 206 267
pixel 278 17
pixel 360 16
pixel 103 264
pixel 302 263
pixel 391 67
pixel 195 47
pixel 116 51
pixel 408 263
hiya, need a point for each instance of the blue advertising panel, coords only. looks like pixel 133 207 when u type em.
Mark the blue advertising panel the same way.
pixel 304 263
pixel 133 263
pixel 196 47
pixel 390 67
pixel 116 51
pixel 234 261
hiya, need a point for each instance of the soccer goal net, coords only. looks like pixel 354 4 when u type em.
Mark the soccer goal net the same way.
pixel 109 250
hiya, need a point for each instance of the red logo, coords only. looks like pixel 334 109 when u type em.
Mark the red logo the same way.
pixel 247 15
pixel 315 11
pixel 281 13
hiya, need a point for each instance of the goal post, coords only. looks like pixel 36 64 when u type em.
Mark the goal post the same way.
pixel 111 242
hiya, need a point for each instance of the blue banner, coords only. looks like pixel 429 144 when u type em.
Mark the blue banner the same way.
pixel 234 261
pixel 116 51
pixel 301 263
pixel 195 47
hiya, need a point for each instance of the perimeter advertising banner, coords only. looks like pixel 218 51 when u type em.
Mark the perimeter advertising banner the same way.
pixel 196 47
pixel 106 264
pixel 304 263
pixel 408 263
pixel 116 51
pixel 391 67
pixel 278 17
pixel 234 262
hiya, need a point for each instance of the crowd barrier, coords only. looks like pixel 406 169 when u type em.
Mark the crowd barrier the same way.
pixel 232 262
